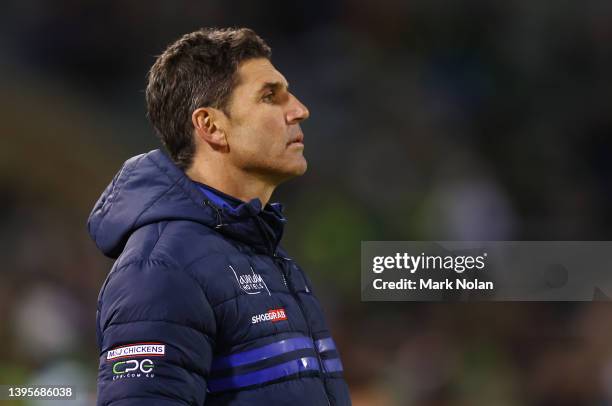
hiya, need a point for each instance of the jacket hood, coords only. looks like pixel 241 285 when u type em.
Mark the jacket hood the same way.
pixel 150 188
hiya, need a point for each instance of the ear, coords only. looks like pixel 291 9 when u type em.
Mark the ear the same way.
pixel 209 124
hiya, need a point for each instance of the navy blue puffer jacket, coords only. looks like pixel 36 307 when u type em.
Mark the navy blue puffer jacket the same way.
pixel 202 306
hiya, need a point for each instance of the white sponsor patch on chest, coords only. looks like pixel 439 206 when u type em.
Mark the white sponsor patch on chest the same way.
pixel 250 283
pixel 273 315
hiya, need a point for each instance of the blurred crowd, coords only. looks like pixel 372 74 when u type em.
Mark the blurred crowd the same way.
pixel 430 120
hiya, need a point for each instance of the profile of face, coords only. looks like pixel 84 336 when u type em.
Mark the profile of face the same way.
pixel 262 127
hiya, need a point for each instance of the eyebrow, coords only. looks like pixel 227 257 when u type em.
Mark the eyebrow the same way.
pixel 273 86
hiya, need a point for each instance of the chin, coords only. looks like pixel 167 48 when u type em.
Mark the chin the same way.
pixel 295 170
pixel 301 168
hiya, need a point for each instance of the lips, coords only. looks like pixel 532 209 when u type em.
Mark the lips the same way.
pixel 299 138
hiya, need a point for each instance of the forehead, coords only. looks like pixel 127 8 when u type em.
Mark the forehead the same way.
pixel 254 73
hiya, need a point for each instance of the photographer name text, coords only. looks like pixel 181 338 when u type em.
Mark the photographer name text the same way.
pixel 421 266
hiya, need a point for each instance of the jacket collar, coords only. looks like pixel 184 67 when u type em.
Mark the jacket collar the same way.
pixel 259 226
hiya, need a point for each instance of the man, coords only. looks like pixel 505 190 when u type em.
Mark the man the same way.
pixel 202 306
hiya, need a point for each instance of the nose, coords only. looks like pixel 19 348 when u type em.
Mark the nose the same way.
pixel 296 111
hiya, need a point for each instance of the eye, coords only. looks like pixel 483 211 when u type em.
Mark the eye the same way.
pixel 268 97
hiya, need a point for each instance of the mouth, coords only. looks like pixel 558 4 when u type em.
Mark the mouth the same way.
pixel 298 139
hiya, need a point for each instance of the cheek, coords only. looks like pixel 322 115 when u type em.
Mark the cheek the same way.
pixel 269 137
pixel 275 127
pixel 263 135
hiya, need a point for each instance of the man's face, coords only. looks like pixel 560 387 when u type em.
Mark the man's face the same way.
pixel 263 130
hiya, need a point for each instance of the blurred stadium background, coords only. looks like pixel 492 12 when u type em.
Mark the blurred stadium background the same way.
pixel 430 120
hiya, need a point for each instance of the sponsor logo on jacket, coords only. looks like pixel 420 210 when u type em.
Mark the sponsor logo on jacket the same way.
pixel 137 350
pixel 250 283
pixel 273 315
pixel 133 368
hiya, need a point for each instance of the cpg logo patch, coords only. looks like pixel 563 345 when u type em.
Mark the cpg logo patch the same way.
pixel 133 368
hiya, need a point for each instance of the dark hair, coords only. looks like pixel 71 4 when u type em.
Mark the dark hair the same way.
pixel 198 70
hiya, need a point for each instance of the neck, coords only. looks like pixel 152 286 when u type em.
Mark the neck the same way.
pixel 231 180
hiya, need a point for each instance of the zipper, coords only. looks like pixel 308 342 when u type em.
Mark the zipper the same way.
pixel 260 226
pixel 299 302
pixel 284 279
pixel 217 213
